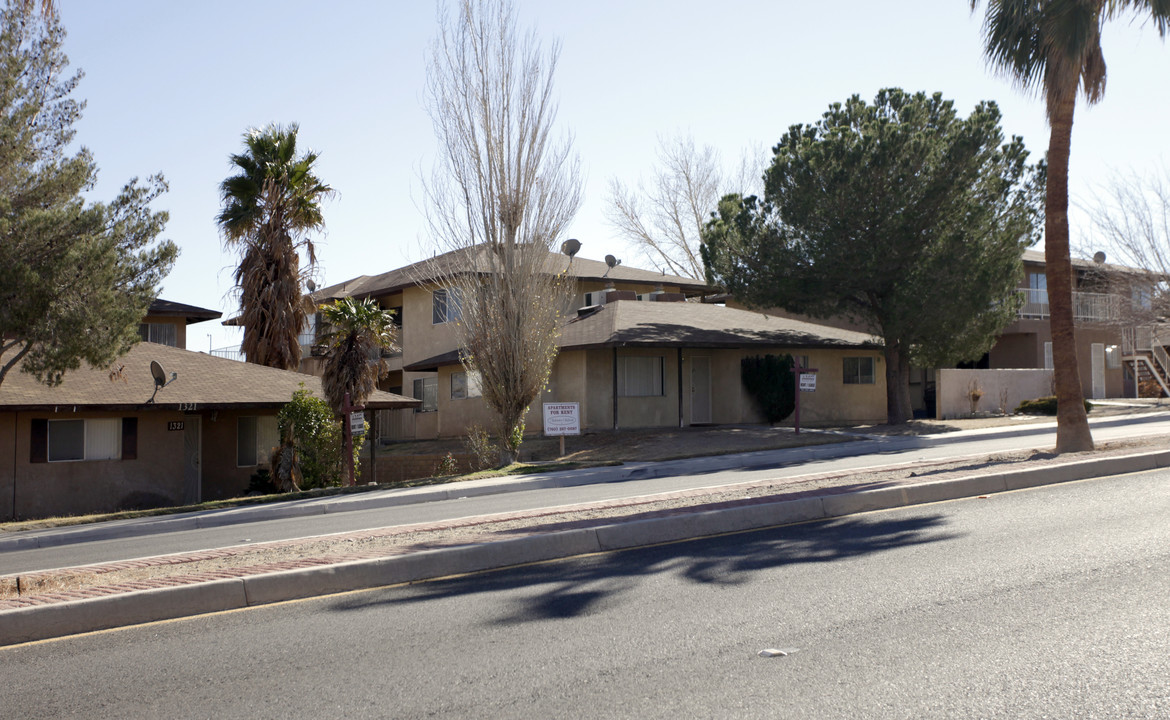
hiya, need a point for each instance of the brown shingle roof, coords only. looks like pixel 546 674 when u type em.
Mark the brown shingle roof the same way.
pixel 192 313
pixel 583 269
pixel 628 323
pixel 635 323
pixel 203 382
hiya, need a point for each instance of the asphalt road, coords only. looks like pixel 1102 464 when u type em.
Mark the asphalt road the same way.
pixel 1046 603
pixel 597 484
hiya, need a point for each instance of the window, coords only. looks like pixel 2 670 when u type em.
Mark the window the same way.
pixel 1048 365
pixel 446 306
pixel 465 385
pixel 1112 357
pixel 89 439
pixel 427 390
pixel 640 377
pixel 255 438
pixel 1142 297
pixel 161 333
pixel 858 371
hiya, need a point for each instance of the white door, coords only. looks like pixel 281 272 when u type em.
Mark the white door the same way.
pixel 700 390
pixel 1097 353
pixel 192 460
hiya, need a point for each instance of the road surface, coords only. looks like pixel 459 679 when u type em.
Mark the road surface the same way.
pixel 1046 603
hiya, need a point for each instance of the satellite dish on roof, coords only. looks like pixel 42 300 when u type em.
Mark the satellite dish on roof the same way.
pixel 311 285
pixel 1099 257
pixel 571 247
pixel 612 262
pixel 160 378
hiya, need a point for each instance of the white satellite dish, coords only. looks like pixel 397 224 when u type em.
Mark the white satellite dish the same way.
pixel 160 378
pixel 571 247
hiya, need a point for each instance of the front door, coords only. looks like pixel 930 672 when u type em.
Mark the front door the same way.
pixel 700 390
pixel 1097 353
pixel 192 460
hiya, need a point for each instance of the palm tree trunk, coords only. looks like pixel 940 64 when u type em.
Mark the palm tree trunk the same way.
pixel 1072 423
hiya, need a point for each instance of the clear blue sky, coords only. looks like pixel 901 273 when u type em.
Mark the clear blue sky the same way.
pixel 172 86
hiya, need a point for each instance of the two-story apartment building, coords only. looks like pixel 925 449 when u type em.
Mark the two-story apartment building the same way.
pixel 114 439
pixel 641 351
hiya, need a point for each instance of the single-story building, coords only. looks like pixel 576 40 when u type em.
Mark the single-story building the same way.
pixel 668 363
pixel 110 439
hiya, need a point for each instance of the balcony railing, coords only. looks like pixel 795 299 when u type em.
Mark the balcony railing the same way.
pixel 1087 307
pixel 231 353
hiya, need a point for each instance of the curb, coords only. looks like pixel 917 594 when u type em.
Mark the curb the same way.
pixel 43 622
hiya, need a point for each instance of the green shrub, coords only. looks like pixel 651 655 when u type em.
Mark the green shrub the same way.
pixel 447 466
pixel 318 438
pixel 771 383
pixel 1044 406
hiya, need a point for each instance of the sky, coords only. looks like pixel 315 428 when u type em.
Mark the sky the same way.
pixel 172 87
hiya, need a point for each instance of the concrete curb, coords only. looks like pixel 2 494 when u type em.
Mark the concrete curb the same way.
pixel 42 622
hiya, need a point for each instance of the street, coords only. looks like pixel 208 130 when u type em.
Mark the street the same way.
pixel 596 484
pixel 1042 603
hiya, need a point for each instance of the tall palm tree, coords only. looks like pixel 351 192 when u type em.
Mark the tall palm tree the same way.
pixel 1054 47
pixel 358 332
pixel 269 208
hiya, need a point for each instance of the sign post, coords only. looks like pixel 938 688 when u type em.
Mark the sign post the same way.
pixel 562 419
pixel 806 381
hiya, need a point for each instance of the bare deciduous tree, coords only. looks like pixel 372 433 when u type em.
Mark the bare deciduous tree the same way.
pixel 664 217
pixel 501 194
pixel 1130 216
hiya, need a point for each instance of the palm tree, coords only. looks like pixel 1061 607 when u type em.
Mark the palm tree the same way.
pixel 1054 46
pixel 358 332
pixel 269 208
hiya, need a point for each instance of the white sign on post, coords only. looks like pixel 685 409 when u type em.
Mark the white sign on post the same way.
pixel 808 382
pixel 357 422
pixel 562 418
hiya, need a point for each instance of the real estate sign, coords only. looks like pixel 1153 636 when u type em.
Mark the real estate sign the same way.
pixel 562 418
pixel 357 422
pixel 808 382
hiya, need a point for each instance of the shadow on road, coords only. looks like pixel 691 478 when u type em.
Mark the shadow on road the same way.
pixel 564 589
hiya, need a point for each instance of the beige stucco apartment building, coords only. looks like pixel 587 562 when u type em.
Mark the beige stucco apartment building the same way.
pixel 641 351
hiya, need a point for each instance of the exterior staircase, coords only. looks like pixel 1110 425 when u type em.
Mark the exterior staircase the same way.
pixel 1142 349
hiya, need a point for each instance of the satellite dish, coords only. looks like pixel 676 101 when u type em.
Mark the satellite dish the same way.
pixel 160 375
pixel 160 378
pixel 1099 257
pixel 571 247
pixel 311 285
pixel 612 262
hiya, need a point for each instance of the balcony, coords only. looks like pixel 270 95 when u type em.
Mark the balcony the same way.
pixel 1087 307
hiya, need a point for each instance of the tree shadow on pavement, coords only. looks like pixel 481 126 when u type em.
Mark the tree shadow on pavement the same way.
pixel 579 586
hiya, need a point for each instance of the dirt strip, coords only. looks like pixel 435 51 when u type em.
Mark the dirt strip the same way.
pixel 60 585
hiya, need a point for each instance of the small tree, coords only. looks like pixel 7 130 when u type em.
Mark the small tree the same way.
pixel 498 201
pixel 76 277
pixel 877 212
pixel 357 334
pixel 771 383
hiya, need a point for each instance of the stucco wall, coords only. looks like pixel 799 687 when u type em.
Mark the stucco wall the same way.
pixel 86 486
pixel 954 388
pixel 221 477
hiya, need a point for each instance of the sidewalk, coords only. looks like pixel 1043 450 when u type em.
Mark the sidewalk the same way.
pixel 47 604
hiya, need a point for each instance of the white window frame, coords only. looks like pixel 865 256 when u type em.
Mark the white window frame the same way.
pixel 465 385
pixel 424 387
pixel 265 436
pixel 446 305
pixel 159 333
pixel 859 377
pixel 641 376
pixel 101 439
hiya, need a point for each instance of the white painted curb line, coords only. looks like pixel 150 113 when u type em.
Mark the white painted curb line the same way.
pixel 69 618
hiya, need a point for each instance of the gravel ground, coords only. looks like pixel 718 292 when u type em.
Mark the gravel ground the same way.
pixel 270 557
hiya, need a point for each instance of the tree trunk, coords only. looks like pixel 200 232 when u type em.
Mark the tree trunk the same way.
pixel 898 408
pixel 1072 423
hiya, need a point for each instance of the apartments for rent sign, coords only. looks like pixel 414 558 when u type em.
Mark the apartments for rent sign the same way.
pixel 562 418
